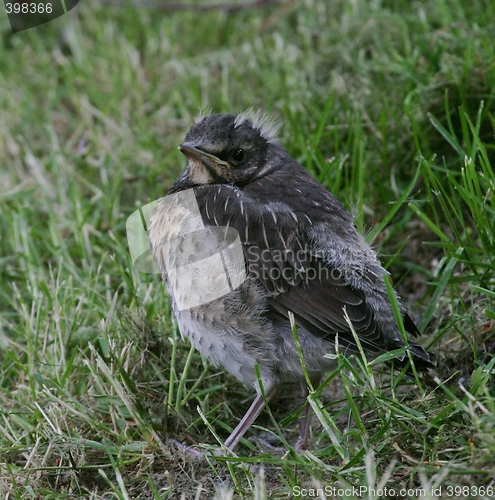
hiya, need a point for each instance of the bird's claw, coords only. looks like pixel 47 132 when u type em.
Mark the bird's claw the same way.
pixel 196 454
pixel 186 450
pixel 300 446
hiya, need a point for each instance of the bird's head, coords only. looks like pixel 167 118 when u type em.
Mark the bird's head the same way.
pixel 227 149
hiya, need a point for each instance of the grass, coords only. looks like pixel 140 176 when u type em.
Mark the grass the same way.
pixel 389 104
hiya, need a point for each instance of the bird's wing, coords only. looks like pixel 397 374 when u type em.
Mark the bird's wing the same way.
pixel 281 255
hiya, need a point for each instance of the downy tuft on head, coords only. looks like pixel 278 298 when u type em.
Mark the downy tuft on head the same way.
pixel 267 126
pixel 203 112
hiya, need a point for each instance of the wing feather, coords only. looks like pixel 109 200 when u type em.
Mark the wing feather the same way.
pixel 296 276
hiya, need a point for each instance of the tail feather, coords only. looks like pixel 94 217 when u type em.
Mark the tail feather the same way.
pixel 423 360
pixel 410 326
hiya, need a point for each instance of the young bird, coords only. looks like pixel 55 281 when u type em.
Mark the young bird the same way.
pixel 302 256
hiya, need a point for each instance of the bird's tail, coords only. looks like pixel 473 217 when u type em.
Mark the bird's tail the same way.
pixel 423 360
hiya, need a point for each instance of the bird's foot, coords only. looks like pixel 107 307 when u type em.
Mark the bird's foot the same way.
pixel 204 456
pixel 269 447
pixel 301 445
pixel 196 454
pixel 267 444
pixel 186 450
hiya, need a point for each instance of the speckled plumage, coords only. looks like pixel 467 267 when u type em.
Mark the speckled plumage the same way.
pixel 302 251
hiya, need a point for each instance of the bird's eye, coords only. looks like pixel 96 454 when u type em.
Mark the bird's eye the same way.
pixel 238 155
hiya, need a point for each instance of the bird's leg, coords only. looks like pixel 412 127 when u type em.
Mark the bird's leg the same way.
pixel 302 440
pixel 254 410
pixel 233 440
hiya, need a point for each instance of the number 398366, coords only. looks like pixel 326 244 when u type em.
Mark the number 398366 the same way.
pixel 28 8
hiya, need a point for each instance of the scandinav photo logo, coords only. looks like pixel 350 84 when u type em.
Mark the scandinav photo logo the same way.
pixel 199 263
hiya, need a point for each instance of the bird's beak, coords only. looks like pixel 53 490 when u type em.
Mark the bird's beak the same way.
pixel 192 152
pixel 216 166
